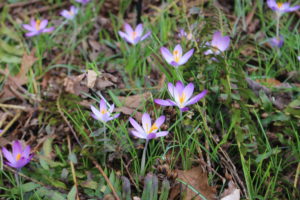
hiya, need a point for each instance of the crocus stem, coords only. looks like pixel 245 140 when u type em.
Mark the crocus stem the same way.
pixel 19 183
pixel 144 157
pixel 277 25
pixel 179 75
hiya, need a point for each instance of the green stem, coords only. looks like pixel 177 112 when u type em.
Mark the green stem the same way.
pixel 19 183
pixel 277 25
pixel 144 157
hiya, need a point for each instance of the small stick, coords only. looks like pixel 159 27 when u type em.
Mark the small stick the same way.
pixel 10 123
pixel 66 120
pixel 73 168
pixel 13 106
pixel 297 175
pixel 105 177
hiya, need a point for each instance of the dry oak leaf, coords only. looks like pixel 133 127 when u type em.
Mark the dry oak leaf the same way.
pixel 21 78
pixel 196 178
pixel 231 193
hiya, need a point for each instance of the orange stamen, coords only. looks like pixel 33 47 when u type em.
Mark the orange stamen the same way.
pixel 182 98
pixel 18 157
pixel 176 55
pixel 279 4
pixel 37 24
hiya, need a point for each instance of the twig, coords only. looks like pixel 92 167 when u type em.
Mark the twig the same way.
pixel 66 120
pixel 73 168
pixel 297 176
pixel 105 177
pixel 20 4
pixel 10 123
pixel 13 106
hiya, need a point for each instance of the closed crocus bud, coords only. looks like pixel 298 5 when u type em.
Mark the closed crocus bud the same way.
pixel 276 42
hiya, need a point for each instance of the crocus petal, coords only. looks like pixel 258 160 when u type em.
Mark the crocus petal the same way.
pixel 179 87
pixel 163 102
pixel 146 121
pixel 186 57
pixel 9 157
pixel 65 14
pixel 139 30
pixel 171 89
pixel 21 163
pixel 126 37
pixel 179 49
pixel 209 51
pixel 138 134
pixel 146 35
pixel 47 30
pixel 16 148
pixel 102 105
pixel 272 4
pixel 95 117
pixel 128 29
pixel 43 24
pixel 31 34
pixel 174 64
pixel 291 9
pixel 184 109
pixel 26 152
pixel 160 121
pixel 188 91
pixel 196 98
pixel 166 54
pixel 162 133
pixel 32 22
pixel 151 136
pixel 224 43
pixel 111 109
pixel 136 125
pixel 97 113
pixel 28 27
pixel 115 116
pixel 217 36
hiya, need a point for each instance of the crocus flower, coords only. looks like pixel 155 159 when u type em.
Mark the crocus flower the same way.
pixel 298 57
pixel 149 130
pixel 133 36
pixel 176 59
pixel 69 14
pixel 19 157
pixel 281 8
pixel 182 96
pixel 218 44
pixel 84 2
pixel 276 42
pixel 183 34
pixel 104 114
pixel 37 27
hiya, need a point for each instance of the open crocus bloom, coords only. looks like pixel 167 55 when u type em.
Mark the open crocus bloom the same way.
pixel 19 157
pixel 218 44
pixel 281 8
pixel 69 14
pixel 133 36
pixel 182 96
pixel 83 1
pixel 149 130
pixel 37 27
pixel 276 42
pixel 104 114
pixel 176 58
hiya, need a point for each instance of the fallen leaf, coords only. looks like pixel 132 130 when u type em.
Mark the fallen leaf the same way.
pixel 91 78
pixel 231 193
pixel 135 101
pixel 196 178
pixel 128 111
pixel 73 84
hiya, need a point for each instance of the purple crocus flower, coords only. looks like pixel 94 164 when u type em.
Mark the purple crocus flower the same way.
pixel 218 44
pixel 19 157
pixel 183 34
pixel 84 2
pixel 133 36
pixel 276 42
pixel 149 130
pixel 281 8
pixel 182 96
pixel 37 27
pixel 176 58
pixel 69 14
pixel 104 114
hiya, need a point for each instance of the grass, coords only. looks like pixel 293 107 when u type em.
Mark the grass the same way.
pixel 231 124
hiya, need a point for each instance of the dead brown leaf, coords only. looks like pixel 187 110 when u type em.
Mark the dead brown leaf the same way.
pixel 231 193
pixel 135 101
pixel 128 111
pixel 91 78
pixel 73 84
pixel 20 79
pixel 196 178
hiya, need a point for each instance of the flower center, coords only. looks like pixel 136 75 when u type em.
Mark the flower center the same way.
pixel 71 12
pixel 152 129
pixel 18 157
pixel 103 111
pixel 176 55
pixel 134 35
pixel 279 5
pixel 182 98
pixel 38 24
